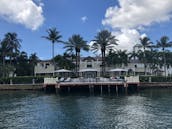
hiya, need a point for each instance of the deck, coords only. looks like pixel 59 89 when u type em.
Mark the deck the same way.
pixel 92 85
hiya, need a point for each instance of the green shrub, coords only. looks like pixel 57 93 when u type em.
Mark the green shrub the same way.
pixel 155 78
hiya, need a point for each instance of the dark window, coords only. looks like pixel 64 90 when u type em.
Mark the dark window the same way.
pixel 46 65
pixel 89 66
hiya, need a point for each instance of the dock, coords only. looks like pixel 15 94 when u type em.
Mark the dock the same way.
pixel 98 86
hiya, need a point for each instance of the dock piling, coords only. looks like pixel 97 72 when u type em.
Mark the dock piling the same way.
pixel 116 89
pixel 101 90
pixel 108 89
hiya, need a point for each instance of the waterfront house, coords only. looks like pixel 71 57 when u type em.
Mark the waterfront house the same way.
pixel 90 67
pixel 44 67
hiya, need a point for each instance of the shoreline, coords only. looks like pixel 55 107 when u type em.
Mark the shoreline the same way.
pixel 21 87
pixel 142 85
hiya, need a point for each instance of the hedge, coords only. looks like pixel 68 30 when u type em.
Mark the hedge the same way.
pixel 155 78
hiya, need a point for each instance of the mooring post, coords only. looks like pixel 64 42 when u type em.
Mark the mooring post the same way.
pixel 11 81
pixel 138 88
pixel 126 88
pixel 68 88
pixel 91 89
pixel 108 89
pixel 57 88
pixel 101 90
pixel 116 89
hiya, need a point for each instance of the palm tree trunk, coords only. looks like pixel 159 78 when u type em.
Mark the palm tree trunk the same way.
pixel 76 67
pixel 102 63
pixel 3 65
pixel 78 62
pixel 53 56
pixel 144 61
pixel 164 62
pixel 53 51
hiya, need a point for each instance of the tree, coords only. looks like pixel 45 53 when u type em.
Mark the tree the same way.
pixel 33 59
pixel 103 41
pixel 122 57
pixel 145 43
pixel 53 36
pixel 164 43
pixel 23 67
pixel 76 43
pixel 64 61
pixel 12 44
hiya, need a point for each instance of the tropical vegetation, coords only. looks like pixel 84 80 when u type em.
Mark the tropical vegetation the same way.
pixel 54 37
pixel 14 62
pixel 103 41
pixel 75 44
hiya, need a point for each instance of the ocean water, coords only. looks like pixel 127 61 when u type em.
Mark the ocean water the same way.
pixel 148 109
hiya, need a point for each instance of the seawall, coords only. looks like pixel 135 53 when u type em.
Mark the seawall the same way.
pixel 21 86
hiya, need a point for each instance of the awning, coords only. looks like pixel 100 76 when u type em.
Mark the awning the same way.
pixel 88 70
pixel 118 70
pixel 62 71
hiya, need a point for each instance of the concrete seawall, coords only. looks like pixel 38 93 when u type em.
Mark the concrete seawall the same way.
pixel 155 84
pixel 40 86
pixel 21 86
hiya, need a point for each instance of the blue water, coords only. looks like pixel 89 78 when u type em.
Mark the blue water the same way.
pixel 150 109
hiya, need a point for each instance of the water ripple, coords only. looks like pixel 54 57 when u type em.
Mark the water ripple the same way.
pixel 36 110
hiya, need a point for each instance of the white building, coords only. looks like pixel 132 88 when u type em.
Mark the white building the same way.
pixel 90 67
pixel 45 67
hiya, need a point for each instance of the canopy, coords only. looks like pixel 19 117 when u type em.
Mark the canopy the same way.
pixel 118 70
pixel 88 70
pixel 62 71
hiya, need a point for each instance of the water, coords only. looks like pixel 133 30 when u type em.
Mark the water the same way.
pixel 150 109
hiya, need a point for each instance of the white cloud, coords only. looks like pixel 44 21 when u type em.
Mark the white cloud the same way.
pixel 134 13
pixel 131 15
pixel 24 12
pixel 127 38
pixel 84 19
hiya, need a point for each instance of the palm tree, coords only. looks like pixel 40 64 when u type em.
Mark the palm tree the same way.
pixel 76 43
pixel 4 50
pixel 12 44
pixel 145 43
pixel 103 41
pixel 122 57
pixel 53 36
pixel 164 43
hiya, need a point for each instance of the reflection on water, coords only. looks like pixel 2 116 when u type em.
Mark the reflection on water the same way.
pixel 150 109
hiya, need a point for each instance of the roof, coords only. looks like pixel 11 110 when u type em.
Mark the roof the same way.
pixel 90 58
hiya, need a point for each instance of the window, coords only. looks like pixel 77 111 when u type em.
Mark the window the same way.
pixel 46 65
pixel 89 66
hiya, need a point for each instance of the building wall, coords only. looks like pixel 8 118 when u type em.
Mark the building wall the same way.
pixel 94 64
pixel 44 67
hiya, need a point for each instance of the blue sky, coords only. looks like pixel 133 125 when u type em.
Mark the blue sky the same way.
pixel 127 19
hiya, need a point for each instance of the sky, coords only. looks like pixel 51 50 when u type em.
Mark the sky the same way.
pixel 128 20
